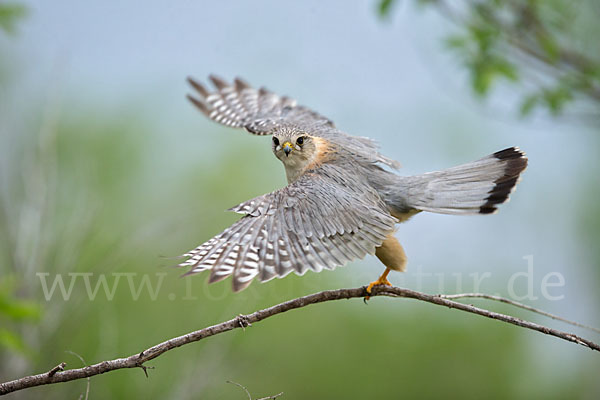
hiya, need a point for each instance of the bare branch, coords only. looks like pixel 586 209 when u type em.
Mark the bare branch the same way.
pixel 516 304
pixel 138 360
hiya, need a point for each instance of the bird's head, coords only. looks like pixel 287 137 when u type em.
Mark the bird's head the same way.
pixel 296 150
pixel 288 147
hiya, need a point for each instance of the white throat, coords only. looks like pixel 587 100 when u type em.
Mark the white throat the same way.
pixel 295 165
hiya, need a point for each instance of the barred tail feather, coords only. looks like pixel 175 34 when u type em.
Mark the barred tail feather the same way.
pixel 477 187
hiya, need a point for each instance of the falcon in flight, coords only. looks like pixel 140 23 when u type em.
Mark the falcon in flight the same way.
pixel 343 198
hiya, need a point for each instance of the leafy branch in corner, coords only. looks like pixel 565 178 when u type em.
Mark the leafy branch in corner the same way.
pixel 545 47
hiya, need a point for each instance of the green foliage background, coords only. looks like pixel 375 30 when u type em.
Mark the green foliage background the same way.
pixel 87 189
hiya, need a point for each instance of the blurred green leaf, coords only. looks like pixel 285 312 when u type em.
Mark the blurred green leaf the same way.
pixel 19 310
pixel 481 78
pixel 485 70
pixel 484 35
pixel 385 7
pixel 16 311
pixel 456 42
pixel 529 103
pixel 11 341
pixel 550 47
pixel 14 308
pixel 506 69
pixel 556 98
pixel 9 16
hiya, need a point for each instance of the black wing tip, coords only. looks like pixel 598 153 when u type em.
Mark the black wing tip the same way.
pixel 511 152
pixel 516 162
pixel 487 210
pixel 498 195
pixel 512 155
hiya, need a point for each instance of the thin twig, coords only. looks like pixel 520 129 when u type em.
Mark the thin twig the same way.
pixel 271 397
pixel 243 387
pixel 137 360
pixel 87 390
pixel 516 304
pixel 59 367
pixel 274 396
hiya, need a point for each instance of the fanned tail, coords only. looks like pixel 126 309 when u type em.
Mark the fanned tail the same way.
pixel 477 187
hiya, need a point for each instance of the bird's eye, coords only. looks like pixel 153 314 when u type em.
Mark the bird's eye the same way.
pixel 300 141
pixel 275 141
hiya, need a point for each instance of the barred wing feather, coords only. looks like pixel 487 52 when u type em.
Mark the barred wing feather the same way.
pixel 313 224
pixel 259 111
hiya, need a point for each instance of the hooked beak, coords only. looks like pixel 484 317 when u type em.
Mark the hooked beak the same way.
pixel 287 148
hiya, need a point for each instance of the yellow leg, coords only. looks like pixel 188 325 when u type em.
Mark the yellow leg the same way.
pixel 381 281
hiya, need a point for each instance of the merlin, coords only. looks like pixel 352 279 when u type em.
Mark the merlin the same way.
pixel 343 198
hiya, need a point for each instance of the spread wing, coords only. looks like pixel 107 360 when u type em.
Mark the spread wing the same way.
pixel 258 111
pixel 314 223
